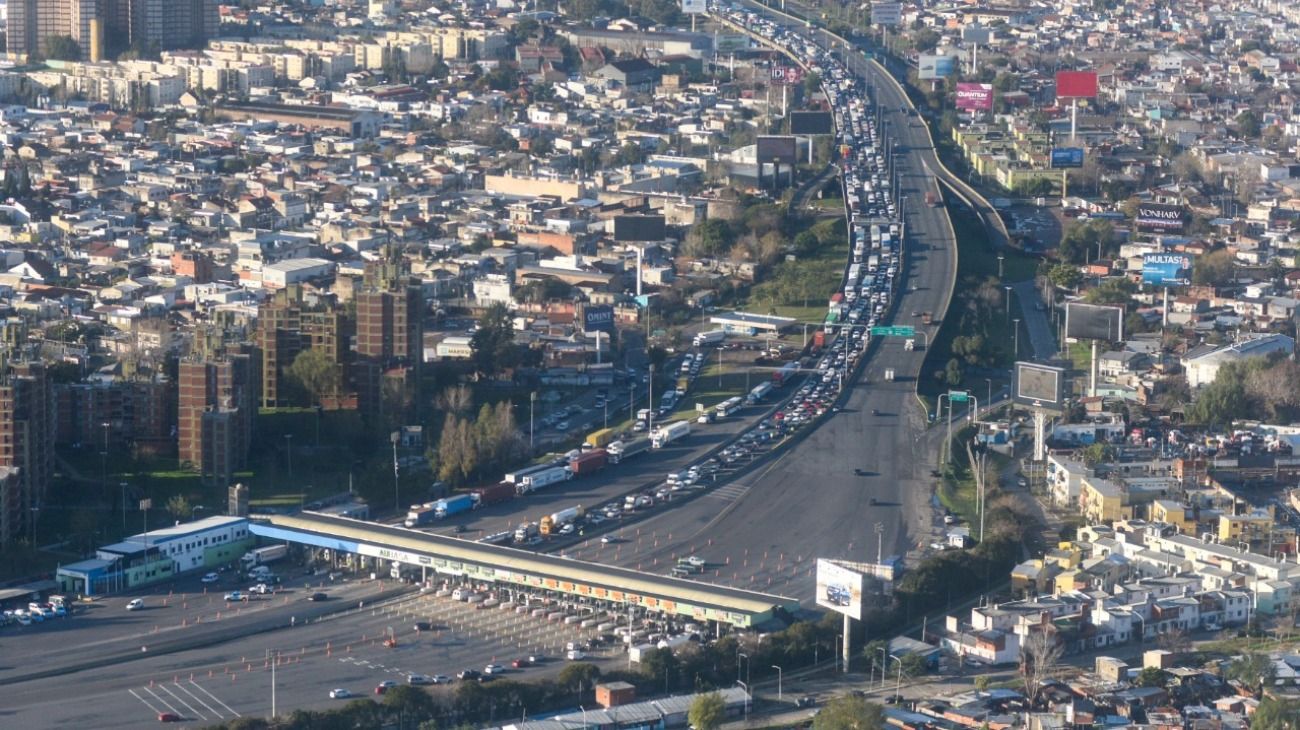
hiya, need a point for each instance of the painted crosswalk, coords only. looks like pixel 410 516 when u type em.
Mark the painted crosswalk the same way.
pixel 187 699
pixel 729 493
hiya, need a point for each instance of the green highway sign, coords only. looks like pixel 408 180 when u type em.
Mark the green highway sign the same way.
pixel 900 331
pixel 958 396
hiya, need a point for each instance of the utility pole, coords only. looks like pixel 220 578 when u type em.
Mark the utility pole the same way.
pixel 397 501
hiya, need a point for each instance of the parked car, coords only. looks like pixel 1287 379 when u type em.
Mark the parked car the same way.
pixel 135 605
pixel 210 578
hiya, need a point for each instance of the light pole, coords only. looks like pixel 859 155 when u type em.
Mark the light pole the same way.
pixel 1001 258
pixel 746 686
pixel 532 404
pixel 397 501
pixel 1015 332
pixel 884 664
pixel 584 715
pixel 103 472
pixel 288 452
pixel 123 486
pixel 1008 289
pixel 990 400
pixel 898 685
pixel 778 682
pixel 274 661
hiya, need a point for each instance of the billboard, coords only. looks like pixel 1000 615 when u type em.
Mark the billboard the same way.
pixel 1063 157
pixel 639 228
pixel 839 589
pixel 1039 386
pixel 1094 322
pixel 1168 218
pixel 936 67
pixel 787 75
pixel 811 123
pixel 1166 269
pixel 976 33
pixel 886 13
pixel 974 97
pixel 695 7
pixel 1076 84
pixel 776 149
pixel 597 318
pixel 730 42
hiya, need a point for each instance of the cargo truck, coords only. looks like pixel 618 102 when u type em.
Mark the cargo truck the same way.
pixel 759 393
pixel 444 508
pixel 712 337
pixel 931 199
pixel 666 434
pixel 263 555
pixel 525 532
pixel 600 439
pixel 420 514
pixel 543 478
pixel 589 462
pixel 552 523
pixel 627 449
pixel 517 476
pixel 782 377
pixel 495 494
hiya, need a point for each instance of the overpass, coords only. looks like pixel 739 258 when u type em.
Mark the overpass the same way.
pixel 521 570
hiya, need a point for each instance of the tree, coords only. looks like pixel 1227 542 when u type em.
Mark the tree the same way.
pixel 1216 268
pixel 1247 124
pixel 1275 713
pixel 493 345
pixel 409 705
pixel 707 712
pixel 178 506
pixel 1098 453
pixel 982 683
pixel 1175 641
pixel 1254 670
pixel 1034 188
pixel 812 83
pixel 925 40
pixel 62 48
pixel 913 665
pixel 848 712
pixel 1039 654
pixel 711 239
pixel 1065 276
pixel 315 373
pixel 1111 291
pixel 1224 399
pixel 805 243
pixel 1152 677
pixel 952 373
pixel 577 677
pixel 1087 240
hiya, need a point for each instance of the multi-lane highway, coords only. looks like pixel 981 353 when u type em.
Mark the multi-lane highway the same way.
pixel 765 530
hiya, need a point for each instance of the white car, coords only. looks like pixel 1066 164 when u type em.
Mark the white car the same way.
pixel 574 655
pixel 135 604
pixel 210 578
pixel 235 596
pixel 261 588
pixel 494 669
pixel 340 694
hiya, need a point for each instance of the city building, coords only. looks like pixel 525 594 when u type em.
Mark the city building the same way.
pixel 27 430
pixel 215 411
pixel 104 28
pixel 288 324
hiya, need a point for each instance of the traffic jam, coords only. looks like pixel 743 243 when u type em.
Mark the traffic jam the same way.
pixel 864 301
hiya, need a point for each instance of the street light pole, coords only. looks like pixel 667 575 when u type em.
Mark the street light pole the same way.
pixel 1008 289
pixel 397 501
pixel 288 452
pixel 532 403
pixel 1015 331
pixel 778 682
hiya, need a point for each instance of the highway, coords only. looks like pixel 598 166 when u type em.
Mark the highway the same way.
pixel 765 530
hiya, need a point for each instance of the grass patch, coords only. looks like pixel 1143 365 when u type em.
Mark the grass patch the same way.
pixel 709 390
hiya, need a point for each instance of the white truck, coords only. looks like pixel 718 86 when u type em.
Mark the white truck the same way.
pixel 544 478
pixel 263 555
pixel 712 337
pixel 668 433
pixel 620 450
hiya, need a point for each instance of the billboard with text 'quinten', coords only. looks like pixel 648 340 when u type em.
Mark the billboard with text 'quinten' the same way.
pixel 974 97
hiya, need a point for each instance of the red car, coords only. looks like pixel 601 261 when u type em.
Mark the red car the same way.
pixel 521 663
pixel 169 717
pixel 384 686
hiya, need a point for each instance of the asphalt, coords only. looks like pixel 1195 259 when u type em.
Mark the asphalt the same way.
pixel 766 530
pixel 1041 338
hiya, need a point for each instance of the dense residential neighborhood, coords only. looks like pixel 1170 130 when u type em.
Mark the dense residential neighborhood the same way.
pixel 991 308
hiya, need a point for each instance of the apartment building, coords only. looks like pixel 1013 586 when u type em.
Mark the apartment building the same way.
pixel 26 446
pixel 215 416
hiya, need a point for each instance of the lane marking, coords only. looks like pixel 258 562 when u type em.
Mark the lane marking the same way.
pixel 148 704
pixel 216 699
pixel 164 702
pixel 181 700
pixel 199 700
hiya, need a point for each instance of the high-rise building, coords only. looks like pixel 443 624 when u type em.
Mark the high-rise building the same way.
pixel 215 416
pixel 288 324
pixel 110 26
pixel 389 325
pixel 390 338
pixel 26 446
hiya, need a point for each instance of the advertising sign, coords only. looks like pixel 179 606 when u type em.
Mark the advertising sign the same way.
pixel 776 149
pixel 1163 217
pixel 1039 386
pixel 1094 322
pixel 839 589
pixel 1067 157
pixel 936 67
pixel 695 7
pixel 1076 84
pixel 787 75
pixel 639 228
pixel 886 13
pixel 974 97
pixel 1166 269
pixel 975 33
pixel 811 123
pixel 598 318
pixel 730 42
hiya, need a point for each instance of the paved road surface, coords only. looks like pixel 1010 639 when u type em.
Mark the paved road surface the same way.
pixel 1041 337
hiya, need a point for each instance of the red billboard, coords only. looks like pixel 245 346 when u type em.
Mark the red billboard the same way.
pixel 1076 84
pixel 975 97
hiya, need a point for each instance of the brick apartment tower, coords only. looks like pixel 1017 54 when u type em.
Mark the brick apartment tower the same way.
pixel 286 326
pixel 390 330
pixel 214 416
pixel 27 431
